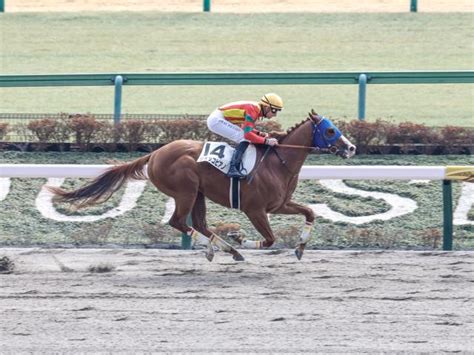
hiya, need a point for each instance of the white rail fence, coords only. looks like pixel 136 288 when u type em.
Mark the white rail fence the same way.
pixel 361 172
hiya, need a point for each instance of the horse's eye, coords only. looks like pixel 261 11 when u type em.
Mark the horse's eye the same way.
pixel 330 132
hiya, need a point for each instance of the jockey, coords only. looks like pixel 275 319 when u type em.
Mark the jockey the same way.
pixel 236 122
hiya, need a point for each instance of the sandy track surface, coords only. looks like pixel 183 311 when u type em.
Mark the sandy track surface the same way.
pixel 176 301
pixel 240 5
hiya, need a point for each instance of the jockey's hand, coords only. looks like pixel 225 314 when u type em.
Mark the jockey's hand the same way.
pixel 263 134
pixel 271 142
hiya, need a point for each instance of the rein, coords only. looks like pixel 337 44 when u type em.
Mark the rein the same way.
pixel 332 149
pixel 282 161
pixel 294 146
pixel 314 149
pixel 258 164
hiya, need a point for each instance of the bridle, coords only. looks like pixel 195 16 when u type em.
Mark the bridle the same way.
pixel 331 148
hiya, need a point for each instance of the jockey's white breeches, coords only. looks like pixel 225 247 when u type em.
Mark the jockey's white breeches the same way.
pixel 219 125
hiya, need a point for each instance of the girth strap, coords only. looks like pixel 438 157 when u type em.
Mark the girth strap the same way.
pixel 234 193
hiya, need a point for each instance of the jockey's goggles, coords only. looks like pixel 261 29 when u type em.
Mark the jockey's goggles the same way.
pixel 275 110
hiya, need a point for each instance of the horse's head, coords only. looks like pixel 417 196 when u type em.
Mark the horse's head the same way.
pixel 327 136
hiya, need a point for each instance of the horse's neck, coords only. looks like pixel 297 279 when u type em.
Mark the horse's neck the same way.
pixel 294 157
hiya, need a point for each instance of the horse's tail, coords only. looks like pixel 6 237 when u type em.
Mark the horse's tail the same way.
pixel 104 186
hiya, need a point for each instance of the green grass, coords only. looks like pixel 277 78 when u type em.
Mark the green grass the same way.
pixel 185 42
pixel 22 224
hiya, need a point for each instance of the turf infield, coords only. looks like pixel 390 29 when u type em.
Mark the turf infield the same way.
pixel 97 42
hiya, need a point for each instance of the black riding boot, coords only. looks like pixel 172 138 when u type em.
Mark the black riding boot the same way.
pixel 234 170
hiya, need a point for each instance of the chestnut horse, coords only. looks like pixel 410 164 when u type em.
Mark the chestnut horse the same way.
pixel 174 170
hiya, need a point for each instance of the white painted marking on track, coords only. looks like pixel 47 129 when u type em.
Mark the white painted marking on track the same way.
pixel 169 209
pixel 419 182
pixel 465 203
pixel 400 205
pixel 129 199
pixel 4 187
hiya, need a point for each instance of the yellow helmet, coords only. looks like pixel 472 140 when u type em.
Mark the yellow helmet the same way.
pixel 272 100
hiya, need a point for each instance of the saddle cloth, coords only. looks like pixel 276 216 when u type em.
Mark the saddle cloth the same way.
pixel 219 155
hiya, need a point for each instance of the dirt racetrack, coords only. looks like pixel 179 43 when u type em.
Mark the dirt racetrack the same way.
pixel 240 5
pixel 175 301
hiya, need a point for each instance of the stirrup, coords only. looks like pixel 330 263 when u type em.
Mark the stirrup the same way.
pixel 234 173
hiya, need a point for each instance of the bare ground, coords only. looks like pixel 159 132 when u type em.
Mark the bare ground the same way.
pixel 240 5
pixel 175 301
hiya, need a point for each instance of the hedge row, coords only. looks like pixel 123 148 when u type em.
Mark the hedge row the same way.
pixel 87 132
pixel 383 133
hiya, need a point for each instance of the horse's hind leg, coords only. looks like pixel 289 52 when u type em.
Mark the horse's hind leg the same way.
pixel 183 207
pixel 200 224
pixel 199 215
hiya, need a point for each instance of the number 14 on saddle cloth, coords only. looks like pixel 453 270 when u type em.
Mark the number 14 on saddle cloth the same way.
pixel 219 154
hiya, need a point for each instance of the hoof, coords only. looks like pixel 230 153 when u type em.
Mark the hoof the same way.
pixel 210 254
pixel 238 257
pixel 299 252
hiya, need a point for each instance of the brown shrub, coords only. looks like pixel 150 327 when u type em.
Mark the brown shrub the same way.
pixel 85 129
pixel 133 132
pixel 89 132
pixel 21 130
pixel 369 237
pixel 411 133
pixel 63 132
pixel 222 229
pixel 288 236
pixel 3 130
pixel 50 130
pixel 362 133
pixel 43 129
pixel 154 131
pixel 182 129
pixel 430 237
pixel 452 135
pixel 107 136
pixel 158 233
pixel 268 126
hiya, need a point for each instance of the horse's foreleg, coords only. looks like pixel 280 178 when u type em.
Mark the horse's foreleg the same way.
pixel 200 225
pixel 259 220
pixel 294 208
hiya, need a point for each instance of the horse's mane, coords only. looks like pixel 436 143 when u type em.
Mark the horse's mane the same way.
pixel 280 135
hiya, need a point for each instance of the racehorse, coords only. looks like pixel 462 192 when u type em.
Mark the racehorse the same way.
pixel 174 170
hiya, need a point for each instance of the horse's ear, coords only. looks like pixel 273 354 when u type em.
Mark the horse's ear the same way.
pixel 314 116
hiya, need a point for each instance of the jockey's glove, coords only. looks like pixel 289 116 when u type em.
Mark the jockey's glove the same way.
pixel 271 141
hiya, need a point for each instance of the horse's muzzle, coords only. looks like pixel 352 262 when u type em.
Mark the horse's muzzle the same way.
pixel 346 149
pixel 347 153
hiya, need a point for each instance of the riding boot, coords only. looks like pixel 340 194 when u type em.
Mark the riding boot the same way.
pixel 234 170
